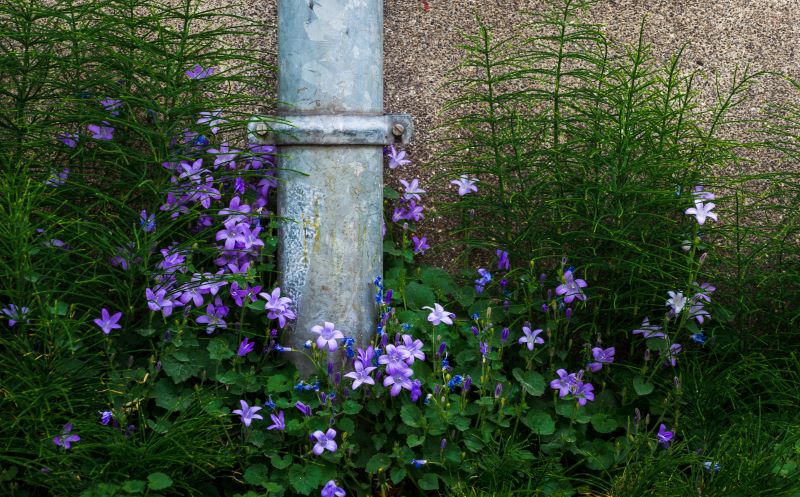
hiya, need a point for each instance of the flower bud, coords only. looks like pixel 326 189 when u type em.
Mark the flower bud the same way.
pixel 468 383
pixel 443 444
pixel 504 334
pixel 498 390
pixel 568 313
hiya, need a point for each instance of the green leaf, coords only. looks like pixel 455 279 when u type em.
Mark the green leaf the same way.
pixel 134 486
pixel 414 440
pixel 603 423
pixel 351 407
pixel 571 409
pixel 305 478
pixel 418 296
pixel 397 474
pixel 168 396
pixel 229 377
pixel 347 425
pixel 182 364
pixel 257 474
pixel 159 481
pixel 377 462
pixel 438 279
pixel 429 482
pixel 540 422
pixel 218 349
pixel 460 422
pixel 278 383
pixel 279 462
pixel 411 415
pixel 642 386
pixel 390 193
pixel 531 381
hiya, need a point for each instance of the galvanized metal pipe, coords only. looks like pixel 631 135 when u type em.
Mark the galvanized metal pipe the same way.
pixel 330 84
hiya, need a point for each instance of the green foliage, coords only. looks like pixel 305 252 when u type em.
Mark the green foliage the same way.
pixel 584 150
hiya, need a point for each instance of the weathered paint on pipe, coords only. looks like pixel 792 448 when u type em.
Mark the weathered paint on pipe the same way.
pixel 330 59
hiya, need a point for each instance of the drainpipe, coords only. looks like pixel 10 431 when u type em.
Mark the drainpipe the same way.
pixel 330 144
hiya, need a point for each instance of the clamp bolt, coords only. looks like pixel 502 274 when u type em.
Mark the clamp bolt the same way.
pixel 398 129
pixel 261 129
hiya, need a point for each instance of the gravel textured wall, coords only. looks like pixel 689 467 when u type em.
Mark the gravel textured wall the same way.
pixel 421 46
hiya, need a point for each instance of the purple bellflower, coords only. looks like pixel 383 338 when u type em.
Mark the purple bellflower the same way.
pixel 420 244
pixel 502 260
pixel 648 330
pixel 213 318
pixel 702 211
pixel 306 410
pixel 361 374
pixel 325 441
pixel 197 72
pixel 248 413
pixel 412 190
pixel 57 179
pixel 465 185
pixel 225 156
pixel 278 422
pixel 328 336
pixel 111 105
pixel 65 439
pixel 394 358
pixel 245 347
pixel 278 307
pixel 105 417
pixel 397 159
pixel 159 302
pixel 664 437
pixel 584 392
pixel 101 132
pixel 398 380
pixel 331 490
pixel 572 288
pixel 212 119
pixel 485 278
pixel 15 314
pixel 148 223
pixel 677 301
pixel 531 338
pixel 565 383
pixel 674 350
pixel 438 315
pixel 108 322
pixel 68 139
pixel 601 356
pixel 414 348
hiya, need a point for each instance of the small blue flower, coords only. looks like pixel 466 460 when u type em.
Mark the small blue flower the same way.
pixel 455 381
pixel 307 345
pixel 699 338
pixel 201 140
pixel 475 316
pixel 269 404
pixel 418 463
pixel 406 326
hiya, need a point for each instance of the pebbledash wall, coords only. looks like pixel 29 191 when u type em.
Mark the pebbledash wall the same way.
pixel 421 46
